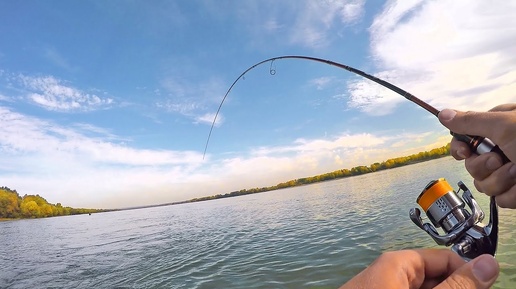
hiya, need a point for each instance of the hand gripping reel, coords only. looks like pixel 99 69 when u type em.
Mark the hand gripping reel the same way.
pixel 463 229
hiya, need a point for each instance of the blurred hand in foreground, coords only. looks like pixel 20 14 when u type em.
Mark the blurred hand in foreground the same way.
pixel 427 268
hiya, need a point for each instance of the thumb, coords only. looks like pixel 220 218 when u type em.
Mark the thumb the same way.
pixel 481 273
pixel 472 123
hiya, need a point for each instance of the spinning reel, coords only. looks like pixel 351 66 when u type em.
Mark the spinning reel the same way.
pixel 463 229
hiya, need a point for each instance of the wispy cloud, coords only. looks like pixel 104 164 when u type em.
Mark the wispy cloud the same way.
pixel 307 23
pixel 193 100
pixel 377 100
pixel 21 134
pixel 57 59
pixel 5 98
pixel 352 11
pixel 54 94
pixel 462 54
pixel 209 118
pixel 272 26
pixel 321 82
pixel 315 19
pixel 347 141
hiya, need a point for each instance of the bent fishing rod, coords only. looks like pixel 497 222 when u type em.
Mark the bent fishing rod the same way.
pixel 463 229
pixel 477 144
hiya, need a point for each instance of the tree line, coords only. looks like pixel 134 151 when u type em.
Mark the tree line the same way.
pixel 343 173
pixel 13 206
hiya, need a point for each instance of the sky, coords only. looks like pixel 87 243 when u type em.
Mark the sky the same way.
pixel 108 104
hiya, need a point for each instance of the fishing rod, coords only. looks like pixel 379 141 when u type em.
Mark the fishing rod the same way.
pixel 478 144
pixel 444 208
pixel 272 71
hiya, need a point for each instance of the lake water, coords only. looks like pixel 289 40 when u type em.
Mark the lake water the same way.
pixel 315 236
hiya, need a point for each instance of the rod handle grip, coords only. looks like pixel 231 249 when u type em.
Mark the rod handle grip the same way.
pixel 480 145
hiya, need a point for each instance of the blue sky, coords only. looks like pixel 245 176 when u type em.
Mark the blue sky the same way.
pixel 109 103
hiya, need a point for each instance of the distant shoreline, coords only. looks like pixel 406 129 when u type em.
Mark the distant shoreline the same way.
pixel 420 157
pixel 339 174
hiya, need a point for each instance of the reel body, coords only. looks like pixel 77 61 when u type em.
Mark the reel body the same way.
pixel 463 229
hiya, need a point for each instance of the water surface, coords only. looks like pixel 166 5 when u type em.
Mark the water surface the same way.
pixel 314 236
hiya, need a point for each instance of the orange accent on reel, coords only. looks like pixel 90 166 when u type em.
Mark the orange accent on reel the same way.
pixel 433 192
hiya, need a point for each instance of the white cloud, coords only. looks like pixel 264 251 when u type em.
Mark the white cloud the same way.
pixel 272 26
pixel 457 54
pixel 42 156
pixel 394 11
pixel 20 134
pixel 308 157
pixel 5 98
pixel 321 82
pixel 193 100
pixel 314 20
pixel 51 93
pixel 303 146
pixel 208 118
pixel 372 99
pixel 352 11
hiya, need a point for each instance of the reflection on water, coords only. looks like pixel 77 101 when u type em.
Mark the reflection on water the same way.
pixel 315 236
